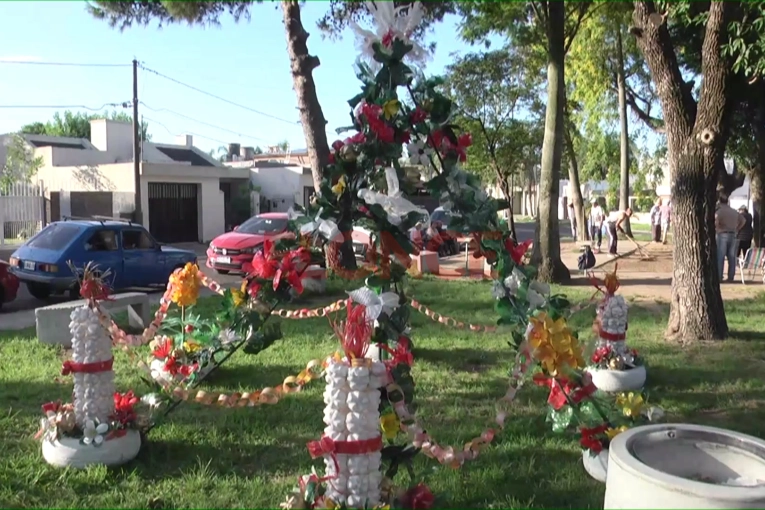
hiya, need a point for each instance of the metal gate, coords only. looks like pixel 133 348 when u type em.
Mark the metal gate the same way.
pixel 173 212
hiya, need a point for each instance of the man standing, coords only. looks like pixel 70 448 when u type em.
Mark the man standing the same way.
pixel 614 222
pixel 745 233
pixel 596 223
pixel 665 212
pixel 727 223
pixel 655 216
pixel 572 219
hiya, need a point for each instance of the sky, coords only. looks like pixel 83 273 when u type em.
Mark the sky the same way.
pixel 244 63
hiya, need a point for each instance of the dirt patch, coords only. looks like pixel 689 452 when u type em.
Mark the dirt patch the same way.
pixel 660 253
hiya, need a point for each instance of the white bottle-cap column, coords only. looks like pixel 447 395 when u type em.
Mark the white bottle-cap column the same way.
pixel 91 367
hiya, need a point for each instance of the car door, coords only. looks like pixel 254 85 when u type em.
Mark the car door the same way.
pixel 102 249
pixel 141 258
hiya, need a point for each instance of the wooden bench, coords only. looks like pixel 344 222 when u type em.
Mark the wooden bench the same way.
pixel 52 321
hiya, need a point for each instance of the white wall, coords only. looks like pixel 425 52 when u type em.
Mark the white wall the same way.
pixel 280 183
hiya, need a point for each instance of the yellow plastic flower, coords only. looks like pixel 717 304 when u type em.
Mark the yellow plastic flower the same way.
pixel 390 109
pixel 383 507
pixel 554 345
pixel 612 433
pixel 191 346
pixel 631 404
pixel 185 285
pixel 390 425
pixel 331 505
pixel 339 188
pixel 239 296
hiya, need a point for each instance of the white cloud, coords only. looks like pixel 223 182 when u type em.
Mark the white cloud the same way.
pixel 20 58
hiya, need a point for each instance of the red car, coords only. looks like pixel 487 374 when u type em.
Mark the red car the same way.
pixel 229 251
pixel 9 284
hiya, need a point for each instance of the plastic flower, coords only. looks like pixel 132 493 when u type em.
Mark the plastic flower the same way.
pixel 339 188
pixel 239 296
pixel 613 432
pixel 418 496
pixel 94 434
pixel 264 264
pixel 553 344
pixel 631 404
pixel 185 285
pixel 390 425
pixel 590 440
pixel 227 336
pixel 152 400
pixel 391 108
pixel 419 153
pixel 191 346
pixel 390 23
pixel 123 407
pixel 162 348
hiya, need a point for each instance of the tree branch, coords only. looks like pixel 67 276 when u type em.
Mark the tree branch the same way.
pixel 713 103
pixel 645 115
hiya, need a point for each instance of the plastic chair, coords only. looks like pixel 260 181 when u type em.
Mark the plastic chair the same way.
pixel 752 261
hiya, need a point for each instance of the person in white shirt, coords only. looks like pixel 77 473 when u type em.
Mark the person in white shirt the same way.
pixel 615 222
pixel 596 223
pixel 655 216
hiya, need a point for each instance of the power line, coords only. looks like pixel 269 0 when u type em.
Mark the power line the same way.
pixel 219 98
pixel 63 64
pixel 184 133
pixel 159 110
pixel 63 106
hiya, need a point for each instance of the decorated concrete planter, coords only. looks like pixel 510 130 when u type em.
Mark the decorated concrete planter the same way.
pixel 596 465
pixel 685 466
pixel 617 381
pixel 71 452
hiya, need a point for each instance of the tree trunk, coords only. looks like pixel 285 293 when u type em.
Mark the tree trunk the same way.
pixel 757 184
pixel 582 232
pixel 624 161
pixel 546 255
pixel 507 191
pixel 696 139
pixel 312 118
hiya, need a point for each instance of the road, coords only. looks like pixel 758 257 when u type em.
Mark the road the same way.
pixel 25 301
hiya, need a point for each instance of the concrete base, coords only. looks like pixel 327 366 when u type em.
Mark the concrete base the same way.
pixel 52 321
pixel 315 280
pixel 427 262
pixel 69 452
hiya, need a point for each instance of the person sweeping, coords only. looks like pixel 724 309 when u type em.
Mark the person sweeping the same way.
pixel 614 223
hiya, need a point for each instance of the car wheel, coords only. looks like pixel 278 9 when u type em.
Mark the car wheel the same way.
pixel 39 291
pixel 222 271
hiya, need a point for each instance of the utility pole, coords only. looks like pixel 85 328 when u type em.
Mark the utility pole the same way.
pixel 138 211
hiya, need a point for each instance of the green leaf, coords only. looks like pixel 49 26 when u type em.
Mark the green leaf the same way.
pixel 560 419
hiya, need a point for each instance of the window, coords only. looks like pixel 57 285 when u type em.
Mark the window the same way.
pixel 260 225
pixel 136 240
pixel 55 236
pixel 102 240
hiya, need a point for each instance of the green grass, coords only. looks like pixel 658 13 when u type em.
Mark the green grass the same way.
pixel 225 458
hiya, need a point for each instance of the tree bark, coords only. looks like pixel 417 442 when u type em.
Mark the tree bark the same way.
pixel 624 135
pixel 582 232
pixel 546 255
pixel 757 183
pixel 312 118
pixel 696 139
pixel 507 191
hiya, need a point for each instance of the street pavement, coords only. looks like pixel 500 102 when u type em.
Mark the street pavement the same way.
pixel 19 313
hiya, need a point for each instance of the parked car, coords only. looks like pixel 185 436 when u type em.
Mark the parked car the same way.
pixel 229 251
pixel 126 250
pixel 9 284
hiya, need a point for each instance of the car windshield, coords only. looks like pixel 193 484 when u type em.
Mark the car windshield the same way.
pixel 55 236
pixel 261 225
pixel 441 216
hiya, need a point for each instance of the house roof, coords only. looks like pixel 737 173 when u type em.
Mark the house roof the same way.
pixel 183 155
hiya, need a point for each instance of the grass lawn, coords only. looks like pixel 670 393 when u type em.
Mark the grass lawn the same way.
pixel 225 458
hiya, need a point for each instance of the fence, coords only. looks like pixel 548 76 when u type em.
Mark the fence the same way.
pixel 22 211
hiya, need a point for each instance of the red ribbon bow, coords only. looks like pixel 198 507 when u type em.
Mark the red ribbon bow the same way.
pixel 611 337
pixel 70 367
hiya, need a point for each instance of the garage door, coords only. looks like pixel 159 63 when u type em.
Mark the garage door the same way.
pixel 173 212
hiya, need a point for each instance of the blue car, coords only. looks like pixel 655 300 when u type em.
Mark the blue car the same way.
pixel 126 250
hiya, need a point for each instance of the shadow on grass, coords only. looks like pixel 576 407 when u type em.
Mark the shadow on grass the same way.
pixel 460 359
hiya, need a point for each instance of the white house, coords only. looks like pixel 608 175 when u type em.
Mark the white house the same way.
pixel 280 184
pixel 183 190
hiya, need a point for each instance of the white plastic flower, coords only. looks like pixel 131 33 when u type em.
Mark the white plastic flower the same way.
pixel 535 299
pixel 227 336
pixel 498 290
pixel 94 434
pixel 390 23
pixel 419 153
pixel 654 413
pixel 48 427
pixel 376 304
pixel 540 287
pixel 325 228
pixel 158 372
pixel 393 203
pixel 152 400
pixel 513 282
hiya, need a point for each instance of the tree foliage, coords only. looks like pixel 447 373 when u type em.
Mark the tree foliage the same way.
pixel 20 164
pixel 77 124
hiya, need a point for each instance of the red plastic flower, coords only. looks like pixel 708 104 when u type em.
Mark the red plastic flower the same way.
pixel 405 137
pixel 164 349
pixel 418 115
pixel 253 288
pixel 589 439
pixel 517 251
pixel 444 145
pixel 265 263
pixel 600 354
pixel 123 407
pixel 383 131
pixel 356 139
pixel 331 158
pixel 290 269
pixel 337 145
pixel 418 497
pixel 187 370
pixel 171 366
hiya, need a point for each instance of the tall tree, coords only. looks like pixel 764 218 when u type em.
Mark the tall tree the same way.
pixel 20 163
pixel 77 124
pixel 548 27
pixel 697 131
pixel 492 93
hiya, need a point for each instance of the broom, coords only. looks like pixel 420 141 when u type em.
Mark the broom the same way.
pixel 643 254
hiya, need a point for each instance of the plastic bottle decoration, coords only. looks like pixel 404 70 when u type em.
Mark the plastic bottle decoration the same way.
pixel 614 366
pixel 352 442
